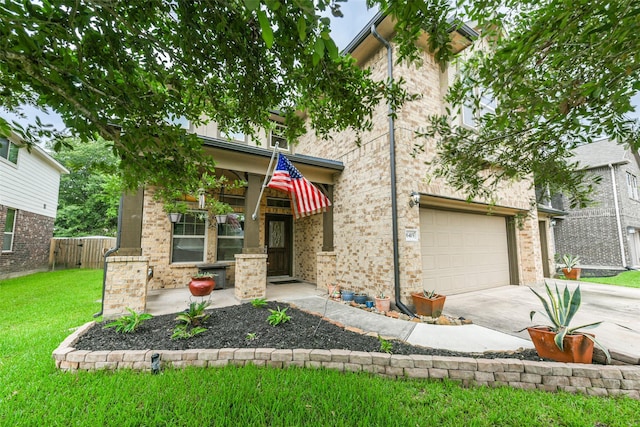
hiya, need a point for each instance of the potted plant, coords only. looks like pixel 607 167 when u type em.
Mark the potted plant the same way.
pixel 383 302
pixel 334 291
pixel 559 341
pixel 347 295
pixel 569 264
pixel 360 298
pixel 202 284
pixel 428 303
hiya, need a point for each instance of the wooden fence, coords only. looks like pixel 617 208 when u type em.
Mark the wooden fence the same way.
pixel 79 252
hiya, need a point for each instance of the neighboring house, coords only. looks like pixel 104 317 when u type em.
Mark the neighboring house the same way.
pixel 29 183
pixel 371 240
pixel 605 235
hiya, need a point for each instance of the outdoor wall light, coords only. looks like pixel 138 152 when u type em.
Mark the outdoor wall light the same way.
pixel 553 222
pixel 175 217
pixel 415 199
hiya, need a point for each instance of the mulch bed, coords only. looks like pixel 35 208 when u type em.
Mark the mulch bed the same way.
pixel 245 326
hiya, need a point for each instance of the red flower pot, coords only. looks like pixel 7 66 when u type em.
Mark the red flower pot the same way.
pixel 201 286
pixel 577 348
pixel 573 274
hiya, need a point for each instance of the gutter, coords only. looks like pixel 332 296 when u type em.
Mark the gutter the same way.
pixel 394 202
pixel 106 254
pixel 618 221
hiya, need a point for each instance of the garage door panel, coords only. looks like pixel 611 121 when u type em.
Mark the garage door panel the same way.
pixel 462 252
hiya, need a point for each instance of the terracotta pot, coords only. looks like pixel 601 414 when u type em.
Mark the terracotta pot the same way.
pixel 334 291
pixel 577 348
pixel 574 274
pixel 428 306
pixel 383 304
pixel 201 286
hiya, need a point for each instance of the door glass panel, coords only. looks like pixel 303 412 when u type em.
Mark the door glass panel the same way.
pixel 276 234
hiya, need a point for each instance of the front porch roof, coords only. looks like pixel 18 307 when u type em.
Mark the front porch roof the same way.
pixel 252 159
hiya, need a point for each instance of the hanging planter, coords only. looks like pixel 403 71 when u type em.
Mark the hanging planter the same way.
pixel 221 219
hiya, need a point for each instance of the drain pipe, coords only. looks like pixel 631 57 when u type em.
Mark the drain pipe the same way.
pixel 617 208
pixel 109 252
pixel 392 157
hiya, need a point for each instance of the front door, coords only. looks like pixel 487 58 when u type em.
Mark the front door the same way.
pixel 279 242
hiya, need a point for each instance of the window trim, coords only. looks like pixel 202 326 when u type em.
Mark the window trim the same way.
pixel 223 237
pixel 204 236
pixel 12 149
pixel 12 232
pixel 632 186
pixel 279 135
pixel 483 108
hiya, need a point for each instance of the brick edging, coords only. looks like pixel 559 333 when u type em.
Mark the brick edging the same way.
pixel 594 380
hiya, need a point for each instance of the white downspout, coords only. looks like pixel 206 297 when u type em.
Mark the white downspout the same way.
pixel 617 208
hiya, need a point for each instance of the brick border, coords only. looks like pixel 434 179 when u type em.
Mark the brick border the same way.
pixel 592 380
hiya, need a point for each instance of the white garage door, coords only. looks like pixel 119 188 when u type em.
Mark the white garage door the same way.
pixel 463 252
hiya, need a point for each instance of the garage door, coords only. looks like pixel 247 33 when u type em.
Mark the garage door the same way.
pixel 463 252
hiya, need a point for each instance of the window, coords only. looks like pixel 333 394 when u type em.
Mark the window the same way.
pixel 276 136
pixel 234 136
pixel 231 237
pixel 8 150
pixel 9 230
pixel 189 238
pixel 487 105
pixel 632 186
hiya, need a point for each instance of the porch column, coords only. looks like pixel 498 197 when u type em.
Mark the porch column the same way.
pixel 251 227
pixel 251 276
pixel 327 224
pixel 126 285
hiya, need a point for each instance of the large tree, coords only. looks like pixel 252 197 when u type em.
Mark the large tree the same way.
pixel 561 73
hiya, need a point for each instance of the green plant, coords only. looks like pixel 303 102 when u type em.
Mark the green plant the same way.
pixel 259 302
pixel 183 331
pixel 429 294
pixel 569 261
pixel 203 276
pixel 560 308
pixel 194 315
pixel 385 346
pixel 278 316
pixel 129 322
pixel 251 336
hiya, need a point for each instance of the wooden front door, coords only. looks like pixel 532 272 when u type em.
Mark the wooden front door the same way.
pixel 279 243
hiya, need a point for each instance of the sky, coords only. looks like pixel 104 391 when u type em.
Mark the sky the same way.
pixel 343 30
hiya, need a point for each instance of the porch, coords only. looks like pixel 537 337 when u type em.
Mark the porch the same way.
pixel 166 301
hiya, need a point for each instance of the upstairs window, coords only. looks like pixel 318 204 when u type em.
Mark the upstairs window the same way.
pixel 486 105
pixel 8 150
pixel 9 230
pixel 632 186
pixel 276 136
pixel 234 136
pixel 188 241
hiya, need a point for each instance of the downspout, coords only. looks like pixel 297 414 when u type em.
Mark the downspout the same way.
pixel 617 208
pixel 109 252
pixel 392 157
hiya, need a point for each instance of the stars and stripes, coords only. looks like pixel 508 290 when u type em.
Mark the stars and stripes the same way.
pixel 305 197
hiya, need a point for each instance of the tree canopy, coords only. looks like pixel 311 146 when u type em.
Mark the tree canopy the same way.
pixel 561 73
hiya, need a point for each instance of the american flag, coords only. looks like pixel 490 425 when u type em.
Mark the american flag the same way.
pixel 306 198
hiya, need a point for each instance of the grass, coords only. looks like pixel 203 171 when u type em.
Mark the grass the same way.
pixel 630 279
pixel 37 312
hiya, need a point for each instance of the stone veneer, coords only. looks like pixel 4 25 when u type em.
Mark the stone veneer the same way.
pixel 126 285
pixel 326 269
pixel 251 276
pixel 593 380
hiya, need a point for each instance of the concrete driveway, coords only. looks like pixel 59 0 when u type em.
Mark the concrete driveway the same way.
pixel 506 309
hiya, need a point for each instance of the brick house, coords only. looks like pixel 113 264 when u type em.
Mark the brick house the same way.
pixel 29 183
pixel 606 235
pixel 372 239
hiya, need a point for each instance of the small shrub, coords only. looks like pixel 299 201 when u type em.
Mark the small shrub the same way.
pixel 129 322
pixel 251 336
pixel 259 302
pixel 385 346
pixel 183 331
pixel 278 316
pixel 194 315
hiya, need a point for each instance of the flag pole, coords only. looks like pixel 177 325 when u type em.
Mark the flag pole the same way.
pixel 264 184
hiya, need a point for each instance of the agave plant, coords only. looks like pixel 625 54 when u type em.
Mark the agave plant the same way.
pixel 560 309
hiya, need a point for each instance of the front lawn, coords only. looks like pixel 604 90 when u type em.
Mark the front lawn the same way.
pixel 630 279
pixel 37 312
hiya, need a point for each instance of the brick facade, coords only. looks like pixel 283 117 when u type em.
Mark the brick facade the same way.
pixel 31 242
pixel 126 286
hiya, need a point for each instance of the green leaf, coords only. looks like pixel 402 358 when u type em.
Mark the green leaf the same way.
pixel 252 4
pixel 319 48
pixel 302 28
pixel 265 26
